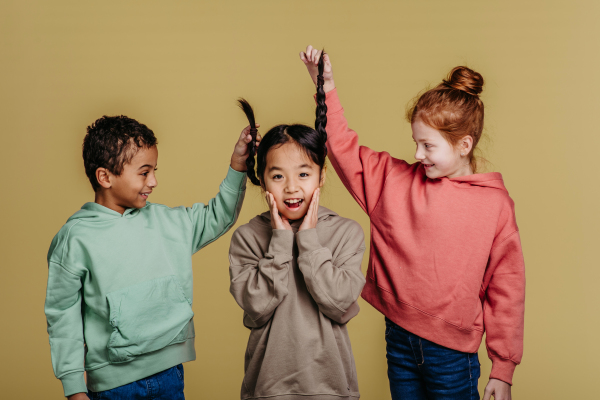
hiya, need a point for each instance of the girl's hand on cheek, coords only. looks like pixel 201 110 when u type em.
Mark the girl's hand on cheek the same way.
pixel 312 216
pixel 311 58
pixel 277 221
pixel 241 151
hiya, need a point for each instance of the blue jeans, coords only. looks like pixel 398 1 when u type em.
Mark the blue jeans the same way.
pixel 422 370
pixel 166 385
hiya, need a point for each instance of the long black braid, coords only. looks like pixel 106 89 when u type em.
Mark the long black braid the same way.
pixel 321 112
pixel 313 141
pixel 245 106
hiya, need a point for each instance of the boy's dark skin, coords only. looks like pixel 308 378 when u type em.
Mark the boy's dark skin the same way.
pixel 131 188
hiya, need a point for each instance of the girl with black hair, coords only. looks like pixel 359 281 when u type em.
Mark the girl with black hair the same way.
pixel 295 271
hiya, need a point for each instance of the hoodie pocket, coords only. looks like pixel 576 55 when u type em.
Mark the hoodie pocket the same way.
pixel 148 317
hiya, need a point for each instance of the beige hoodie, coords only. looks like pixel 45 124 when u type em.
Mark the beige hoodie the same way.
pixel 298 290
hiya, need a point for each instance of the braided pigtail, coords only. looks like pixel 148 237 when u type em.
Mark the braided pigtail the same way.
pixel 250 162
pixel 321 112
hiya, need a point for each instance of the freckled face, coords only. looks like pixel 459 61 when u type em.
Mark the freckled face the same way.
pixel 132 188
pixel 291 177
pixel 437 155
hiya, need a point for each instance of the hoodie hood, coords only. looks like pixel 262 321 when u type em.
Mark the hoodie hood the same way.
pixel 491 180
pixel 92 212
pixel 324 214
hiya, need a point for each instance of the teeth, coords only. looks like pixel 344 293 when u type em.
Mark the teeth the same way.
pixel 293 201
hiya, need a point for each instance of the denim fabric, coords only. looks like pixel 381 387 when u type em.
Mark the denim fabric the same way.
pixel 166 385
pixel 422 370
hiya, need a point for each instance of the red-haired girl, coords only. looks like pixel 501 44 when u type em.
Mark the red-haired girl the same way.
pixel 445 260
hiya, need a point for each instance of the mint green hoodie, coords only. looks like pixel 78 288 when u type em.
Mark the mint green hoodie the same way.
pixel 120 288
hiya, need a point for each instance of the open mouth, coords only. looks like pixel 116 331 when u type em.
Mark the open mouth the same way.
pixel 145 195
pixel 427 166
pixel 293 204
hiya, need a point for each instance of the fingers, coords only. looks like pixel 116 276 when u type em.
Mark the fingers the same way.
pixel 315 56
pixel 303 57
pixel 309 50
pixel 246 137
pixel 487 395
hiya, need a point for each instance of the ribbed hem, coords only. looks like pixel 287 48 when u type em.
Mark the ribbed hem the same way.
pixel 235 180
pixel 333 102
pixel 115 375
pixel 503 369
pixel 73 383
pixel 419 323
pixel 306 397
pixel 307 241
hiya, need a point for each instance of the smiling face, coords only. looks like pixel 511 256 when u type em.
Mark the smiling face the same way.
pixel 438 156
pixel 291 177
pixel 132 187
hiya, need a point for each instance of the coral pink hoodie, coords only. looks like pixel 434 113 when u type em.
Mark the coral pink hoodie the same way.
pixel 445 259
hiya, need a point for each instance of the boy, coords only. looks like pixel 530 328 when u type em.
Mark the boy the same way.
pixel 120 278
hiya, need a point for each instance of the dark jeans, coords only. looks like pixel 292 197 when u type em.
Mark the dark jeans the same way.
pixel 422 370
pixel 166 385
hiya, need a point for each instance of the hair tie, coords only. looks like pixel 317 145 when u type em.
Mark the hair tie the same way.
pixel 253 132
pixel 320 80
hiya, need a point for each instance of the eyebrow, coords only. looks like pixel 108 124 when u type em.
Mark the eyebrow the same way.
pixel 146 165
pixel 273 168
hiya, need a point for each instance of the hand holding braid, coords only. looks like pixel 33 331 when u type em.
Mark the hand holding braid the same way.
pixel 311 58
pixel 245 147
pixel 252 143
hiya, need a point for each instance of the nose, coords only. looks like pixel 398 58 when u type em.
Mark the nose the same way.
pixel 152 181
pixel 419 156
pixel 292 186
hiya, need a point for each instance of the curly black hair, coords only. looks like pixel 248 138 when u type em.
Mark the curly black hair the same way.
pixel 111 142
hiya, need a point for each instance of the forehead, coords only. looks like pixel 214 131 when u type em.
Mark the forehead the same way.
pixel 423 132
pixel 144 156
pixel 289 156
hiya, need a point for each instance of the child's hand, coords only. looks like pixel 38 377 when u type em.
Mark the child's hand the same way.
pixel 240 151
pixel 497 388
pixel 277 221
pixel 310 58
pixel 311 217
pixel 78 396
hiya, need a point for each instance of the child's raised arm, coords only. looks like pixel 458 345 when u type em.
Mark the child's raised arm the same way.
pixel 362 170
pixel 212 220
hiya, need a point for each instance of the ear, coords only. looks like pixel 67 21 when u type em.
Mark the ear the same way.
pixel 103 178
pixel 466 144
pixel 323 176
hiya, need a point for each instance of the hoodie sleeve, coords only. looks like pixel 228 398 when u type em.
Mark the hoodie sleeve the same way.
pixel 259 282
pixel 65 327
pixel 211 221
pixel 334 283
pixel 504 304
pixel 362 170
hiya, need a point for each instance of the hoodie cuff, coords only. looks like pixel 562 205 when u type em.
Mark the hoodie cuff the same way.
pixel 308 240
pixel 332 101
pixel 73 383
pixel 503 370
pixel 282 242
pixel 235 180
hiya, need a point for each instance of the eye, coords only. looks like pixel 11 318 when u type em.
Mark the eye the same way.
pixel 427 145
pixel 303 174
pixel 278 176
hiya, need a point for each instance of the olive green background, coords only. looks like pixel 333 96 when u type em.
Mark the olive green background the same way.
pixel 179 67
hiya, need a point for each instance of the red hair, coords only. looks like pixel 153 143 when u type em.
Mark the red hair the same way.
pixel 453 108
